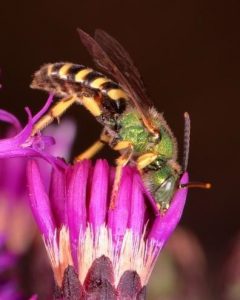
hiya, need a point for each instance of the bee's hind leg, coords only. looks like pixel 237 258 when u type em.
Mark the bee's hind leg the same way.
pixel 121 162
pixel 55 112
pixel 94 148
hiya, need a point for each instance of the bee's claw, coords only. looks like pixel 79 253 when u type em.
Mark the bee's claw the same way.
pixel 112 202
pixel 114 195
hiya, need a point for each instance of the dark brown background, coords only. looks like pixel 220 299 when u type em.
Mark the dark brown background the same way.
pixel 188 53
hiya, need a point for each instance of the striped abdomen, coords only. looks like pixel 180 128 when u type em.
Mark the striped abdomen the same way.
pixel 66 79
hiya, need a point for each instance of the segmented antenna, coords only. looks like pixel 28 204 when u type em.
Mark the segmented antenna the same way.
pixel 186 140
pixel 197 184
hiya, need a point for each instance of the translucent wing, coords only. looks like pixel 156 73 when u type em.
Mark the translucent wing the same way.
pixel 124 63
pixel 112 58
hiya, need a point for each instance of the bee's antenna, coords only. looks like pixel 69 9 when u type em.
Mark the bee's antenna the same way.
pixel 202 185
pixel 186 144
pixel 186 140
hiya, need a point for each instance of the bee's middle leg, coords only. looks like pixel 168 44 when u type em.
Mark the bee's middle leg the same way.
pixel 94 148
pixel 121 161
pixel 145 159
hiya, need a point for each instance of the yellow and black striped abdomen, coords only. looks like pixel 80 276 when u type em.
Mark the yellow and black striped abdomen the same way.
pixel 64 79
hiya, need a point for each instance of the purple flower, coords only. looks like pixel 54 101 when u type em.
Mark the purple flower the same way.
pixel 15 146
pixel 23 144
pixel 96 251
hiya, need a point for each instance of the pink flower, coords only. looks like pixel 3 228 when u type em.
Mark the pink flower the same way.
pixel 96 251
pixel 15 147
pixel 23 144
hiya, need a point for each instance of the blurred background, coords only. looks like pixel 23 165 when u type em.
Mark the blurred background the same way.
pixel 188 54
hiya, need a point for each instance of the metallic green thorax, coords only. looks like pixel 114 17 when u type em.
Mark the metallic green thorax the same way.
pixel 165 148
pixel 134 131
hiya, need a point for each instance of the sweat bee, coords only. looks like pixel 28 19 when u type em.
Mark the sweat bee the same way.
pixel 131 124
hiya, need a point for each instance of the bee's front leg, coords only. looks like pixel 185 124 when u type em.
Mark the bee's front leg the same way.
pixel 54 113
pixel 127 149
pixel 87 99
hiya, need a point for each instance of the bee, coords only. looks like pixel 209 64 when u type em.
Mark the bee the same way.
pixel 131 124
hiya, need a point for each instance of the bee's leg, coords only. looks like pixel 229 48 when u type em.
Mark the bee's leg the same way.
pixel 91 103
pixel 127 148
pixel 145 160
pixel 94 148
pixel 90 152
pixel 54 113
pixel 88 100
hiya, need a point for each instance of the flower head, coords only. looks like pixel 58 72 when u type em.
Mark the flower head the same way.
pixel 95 250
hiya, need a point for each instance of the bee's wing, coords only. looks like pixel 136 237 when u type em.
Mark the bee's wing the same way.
pixel 120 57
pixel 113 59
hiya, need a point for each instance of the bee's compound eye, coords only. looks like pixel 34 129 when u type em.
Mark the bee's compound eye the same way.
pixel 164 193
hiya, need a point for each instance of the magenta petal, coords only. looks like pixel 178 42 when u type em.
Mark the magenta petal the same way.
pixel 55 161
pixel 39 201
pixel 119 216
pixel 28 152
pixel 99 194
pixel 14 143
pixel 44 109
pixel 41 142
pixel 23 144
pixel 11 119
pixel 164 225
pixel 76 202
pixel 138 206
pixel 58 196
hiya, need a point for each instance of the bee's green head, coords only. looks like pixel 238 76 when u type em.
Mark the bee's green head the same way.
pixel 164 185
